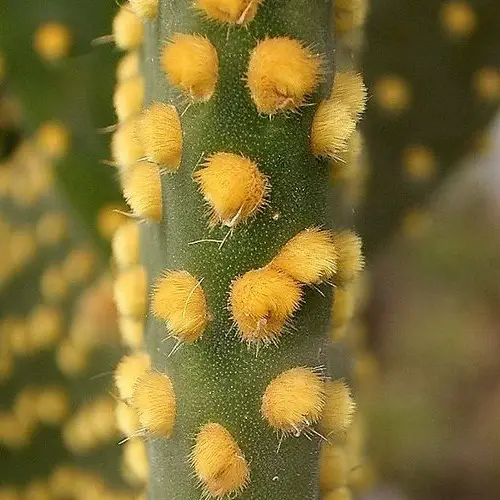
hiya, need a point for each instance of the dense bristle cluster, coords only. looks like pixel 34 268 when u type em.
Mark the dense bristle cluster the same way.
pixel 128 30
pixel 348 87
pixel 191 65
pixel 128 371
pixel 52 41
pixel 142 190
pixel 233 188
pixel 229 11
pixel 127 419
pixel 154 400
pixel 282 74
pixel 339 408
pixel 128 97
pixel 126 149
pixel 294 400
pixel 145 9
pixel 219 463
pixel 310 257
pixel 179 300
pixel 350 256
pixel 261 302
pixel 160 135
pixel 130 292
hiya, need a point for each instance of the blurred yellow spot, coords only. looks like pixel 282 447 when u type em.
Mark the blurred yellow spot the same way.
pixel 52 41
pixel 392 93
pixel 419 163
pixel 458 19
pixel 52 138
pixel 109 219
pixel 486 83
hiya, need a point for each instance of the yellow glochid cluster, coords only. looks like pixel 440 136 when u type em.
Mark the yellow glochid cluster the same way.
pixel 235 12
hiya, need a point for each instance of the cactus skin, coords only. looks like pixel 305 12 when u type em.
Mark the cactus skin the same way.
pixel 441 108
pixel 219 379
pixel 36 367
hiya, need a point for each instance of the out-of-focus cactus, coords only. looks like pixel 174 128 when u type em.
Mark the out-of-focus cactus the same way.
pixel 228 160
pixel 58 338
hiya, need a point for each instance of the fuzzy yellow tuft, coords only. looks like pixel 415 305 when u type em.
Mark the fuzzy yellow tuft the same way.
pixel 130 292
pixel 347 166
pixel 233 187
pixel 191 65
pixel 125 245
pixel 142 190
pixel 128 97
pixel 160 134
pixel 71 359
pixel 350 14
pixel 52 405
pixel 229 11
pixel 52 138
pixel 128 66
pixel 127 419
pixel 294 400
pixel 79 265
pixel 458 19
pixel 180 301
pixel 333 467
pixel 154 400
pixel 45 326
pixel 486 83
pixel 350 257
pixel 348 87
pixel 262 301
pixel 135 459
pixel 333 125
pixel 219 462
pixel 145 9
pixel 131 332
pixel 126 148
pixel 339 494
pixel 310 257
pixel 128 30
pixel 52 41
pixel 339 408
pixel 51 228
pixel 282 74
pixel 128 371
pixel 419 163
pixel 53 285
pixel 392 93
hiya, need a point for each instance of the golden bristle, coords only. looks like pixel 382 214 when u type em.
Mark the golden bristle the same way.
pixel 346 166
pixel 348 87
pixel 135 459
pixel 191 65
pixel 350 257
pixel 233 188
pixel 218 462
pixel 51 228
pixel 131 332
pixel 127 419
pixel 52 138
pixel 294 400
pixel 332 127
pixel 420 163
pixel 339 408
pixel 79 266
pixel 179 300
pixel 350 14
pixel 126 148
pixel 458 19
pixel 128 66
pixel 145 9
pixel 125 245
pixel 486 83
pixel 310 257
pixel 45 325
pixel 128 29
pixel 392 93
pixel 237 12
pixel 130 292
pixel 52 405
pixel 142 191
pixel 339 494
pixel 154 400
pixel 128 97
pixel 261 302
pixel 71 359
pixel 52 41
pixel 160 134
pixel 128 371
pixel 333 467
pixel 282 74
pixel 53 285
